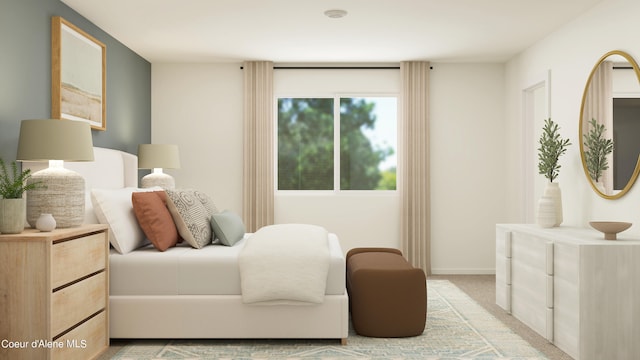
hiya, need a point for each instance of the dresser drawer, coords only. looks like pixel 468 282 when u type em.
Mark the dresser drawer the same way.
pixel 529 280
pixel 72 304
pixel 85 341
pixel 73 259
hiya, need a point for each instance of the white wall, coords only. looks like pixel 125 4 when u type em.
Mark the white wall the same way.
pixel 477 152
pixel 467 166
pixel 199 107
pixel 570 54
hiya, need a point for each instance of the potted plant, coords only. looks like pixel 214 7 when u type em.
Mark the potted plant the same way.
pixel 596 150
pixel 13 184
pixel 552 146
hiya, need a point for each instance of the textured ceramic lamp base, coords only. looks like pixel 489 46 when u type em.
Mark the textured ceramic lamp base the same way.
pixel 62 196
pixel 162 180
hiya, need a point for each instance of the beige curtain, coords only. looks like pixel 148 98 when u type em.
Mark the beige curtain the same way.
pixel 599 105
pixel 415 227
pixel 258 177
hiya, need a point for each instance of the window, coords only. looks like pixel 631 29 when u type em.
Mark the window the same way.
pixel 341 143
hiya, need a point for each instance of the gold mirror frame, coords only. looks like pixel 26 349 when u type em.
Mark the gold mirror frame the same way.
pixel 636 171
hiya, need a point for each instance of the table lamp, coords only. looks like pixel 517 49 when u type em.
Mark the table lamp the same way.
pixel 62 193
pixel 157 157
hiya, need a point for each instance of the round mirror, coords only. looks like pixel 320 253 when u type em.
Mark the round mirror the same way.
pixel 610 125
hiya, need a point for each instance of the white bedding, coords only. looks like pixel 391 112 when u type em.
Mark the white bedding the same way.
pixel 154 295
pixel 183 270
pixel 285 262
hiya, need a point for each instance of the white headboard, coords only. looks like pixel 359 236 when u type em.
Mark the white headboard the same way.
pixel 111 169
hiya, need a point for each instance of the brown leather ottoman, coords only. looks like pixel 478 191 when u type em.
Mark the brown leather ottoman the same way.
pixel 387 296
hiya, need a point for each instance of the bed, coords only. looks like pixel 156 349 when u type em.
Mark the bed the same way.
pixel 185 292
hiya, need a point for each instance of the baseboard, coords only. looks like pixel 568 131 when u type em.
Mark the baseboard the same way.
pixel 463 271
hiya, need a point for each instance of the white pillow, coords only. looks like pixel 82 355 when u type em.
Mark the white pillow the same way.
pixel 114 208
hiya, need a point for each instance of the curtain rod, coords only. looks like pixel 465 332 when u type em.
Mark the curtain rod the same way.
pixel 333 67
pixel 336 67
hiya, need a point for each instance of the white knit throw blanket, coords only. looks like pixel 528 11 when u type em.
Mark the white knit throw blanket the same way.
pixel 285 263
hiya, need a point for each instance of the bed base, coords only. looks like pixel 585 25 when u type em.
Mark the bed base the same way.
pixel 225 317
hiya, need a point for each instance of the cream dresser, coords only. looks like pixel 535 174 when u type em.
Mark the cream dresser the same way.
pixel 54 294
pixel 569 285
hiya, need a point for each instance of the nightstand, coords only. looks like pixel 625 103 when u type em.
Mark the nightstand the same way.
pixel 54 293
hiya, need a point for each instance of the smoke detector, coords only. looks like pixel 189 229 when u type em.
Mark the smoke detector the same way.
pixel 335 13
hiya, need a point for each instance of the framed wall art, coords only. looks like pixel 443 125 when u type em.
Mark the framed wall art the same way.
pixel 78 79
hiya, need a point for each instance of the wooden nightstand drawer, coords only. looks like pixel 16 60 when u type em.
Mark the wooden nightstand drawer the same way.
pixel 54 287
pixel 73 259
pixel 88 338
pixel 73 304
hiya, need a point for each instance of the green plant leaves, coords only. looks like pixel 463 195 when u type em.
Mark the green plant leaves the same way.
pixel 596 150
pixel 552 146
pixel 13 182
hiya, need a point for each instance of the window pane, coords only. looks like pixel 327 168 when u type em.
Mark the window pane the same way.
pixel 305 144
pixel 368 142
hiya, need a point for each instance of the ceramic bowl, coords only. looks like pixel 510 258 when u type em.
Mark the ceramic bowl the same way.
pixel 610 228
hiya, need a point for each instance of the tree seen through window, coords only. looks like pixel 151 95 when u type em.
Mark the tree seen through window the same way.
pixel 306 148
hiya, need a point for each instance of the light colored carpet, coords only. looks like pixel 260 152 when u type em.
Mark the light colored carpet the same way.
pixel 482 289
pixel 457 328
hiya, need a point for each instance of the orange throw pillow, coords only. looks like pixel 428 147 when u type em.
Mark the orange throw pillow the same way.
pixel 155 219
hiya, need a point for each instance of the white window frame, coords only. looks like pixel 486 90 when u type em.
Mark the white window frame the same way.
pixel 336 143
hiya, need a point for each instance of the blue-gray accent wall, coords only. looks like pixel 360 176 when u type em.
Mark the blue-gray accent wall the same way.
pixel 25 77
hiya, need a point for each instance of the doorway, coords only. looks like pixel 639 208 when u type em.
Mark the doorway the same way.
pixel 536 110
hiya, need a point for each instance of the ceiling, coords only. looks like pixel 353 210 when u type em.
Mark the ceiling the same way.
pixel 297 31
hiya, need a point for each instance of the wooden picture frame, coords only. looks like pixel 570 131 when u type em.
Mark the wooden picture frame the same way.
pixel 78 79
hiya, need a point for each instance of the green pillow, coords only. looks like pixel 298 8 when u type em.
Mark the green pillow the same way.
pixel 228 227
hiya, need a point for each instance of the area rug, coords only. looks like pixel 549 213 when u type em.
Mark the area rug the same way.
pixel 457 329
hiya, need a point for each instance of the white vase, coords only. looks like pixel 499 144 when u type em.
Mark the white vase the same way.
pixel 46 222
pixel 546 216
pixel 553 191
pixel 12 215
